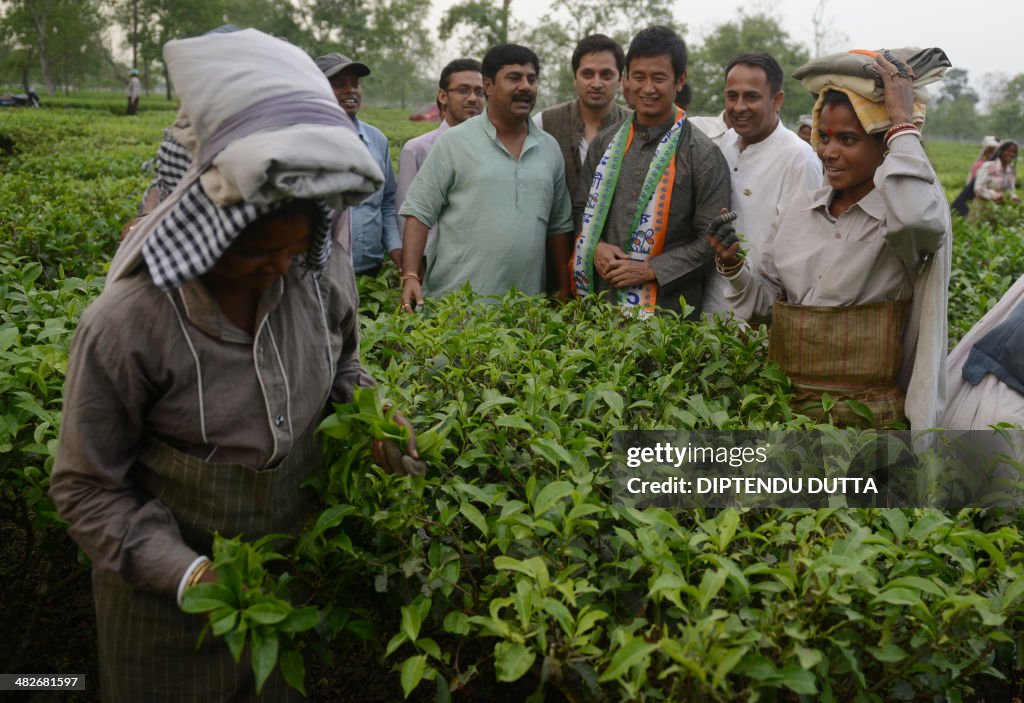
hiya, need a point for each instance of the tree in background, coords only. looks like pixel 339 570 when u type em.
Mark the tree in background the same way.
pixel 402 56
pixel 63 43
pixel 387 35
pixel 953 113
pixel 1006 116
pixel 277 17
pixel 159 21
pixel 758 32
pixel 479 24
pixel 557 32
pixel 826 37
pixel 64 36
pixel 336 25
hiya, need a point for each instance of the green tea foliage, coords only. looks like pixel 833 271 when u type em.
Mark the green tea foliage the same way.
pixel 508 560
pixel 70 183
pixel 995 248
pixel 509 556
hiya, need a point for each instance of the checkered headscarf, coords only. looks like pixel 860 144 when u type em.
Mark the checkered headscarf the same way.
pixel 192 237
pixel 172 160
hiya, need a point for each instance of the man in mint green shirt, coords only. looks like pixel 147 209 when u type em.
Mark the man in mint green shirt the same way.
pixel 495 187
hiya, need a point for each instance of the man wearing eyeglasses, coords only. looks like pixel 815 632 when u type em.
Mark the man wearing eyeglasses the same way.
pixel 460 95
pixel 495 186
pixel 374 230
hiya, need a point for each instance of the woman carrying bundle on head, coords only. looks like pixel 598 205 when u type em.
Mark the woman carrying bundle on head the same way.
pixel 197 378
pixel 853 276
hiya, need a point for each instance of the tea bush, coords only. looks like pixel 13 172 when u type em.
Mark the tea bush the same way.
pixel 510 557
pixel 995 247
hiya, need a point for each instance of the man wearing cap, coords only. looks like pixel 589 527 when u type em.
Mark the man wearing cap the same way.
pixel 372 223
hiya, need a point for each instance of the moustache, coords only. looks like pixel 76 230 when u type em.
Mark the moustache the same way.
pixel 522 96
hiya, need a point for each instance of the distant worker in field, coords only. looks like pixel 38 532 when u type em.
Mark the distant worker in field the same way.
pixel 988 147
pixel 993 185
pixel 372 224
pixel 996 180
pixel 460 95
pixel 803 129
pixel 597 64
pixel 495 187
pixel 655 184
pixel 768 163
pixel 134 92
pixel 853 276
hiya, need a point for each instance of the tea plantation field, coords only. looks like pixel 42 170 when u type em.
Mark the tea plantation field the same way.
pixel 507 573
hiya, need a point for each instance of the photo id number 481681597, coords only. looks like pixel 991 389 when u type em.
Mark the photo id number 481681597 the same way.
pixel 42 682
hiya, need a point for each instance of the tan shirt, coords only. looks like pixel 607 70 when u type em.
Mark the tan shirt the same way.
pixel 868 254
pixel 893 244
pixel 171 366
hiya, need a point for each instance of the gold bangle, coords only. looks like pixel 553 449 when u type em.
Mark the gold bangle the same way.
pixel 727 270
pixel 900 128
pixel 198 573
pixel 411 276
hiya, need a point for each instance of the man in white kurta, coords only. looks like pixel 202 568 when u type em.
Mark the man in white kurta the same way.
pixel 768 163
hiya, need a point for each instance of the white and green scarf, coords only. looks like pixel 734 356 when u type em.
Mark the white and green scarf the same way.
pixel 650 222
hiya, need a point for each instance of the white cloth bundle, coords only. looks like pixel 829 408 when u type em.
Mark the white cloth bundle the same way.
pixel 220 75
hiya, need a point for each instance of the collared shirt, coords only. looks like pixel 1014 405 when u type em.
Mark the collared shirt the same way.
pixel 701 189
pixel 765 177
pixel 877 250
pixel 713 127
pixel 414 153
pixel 172 367
pixel 566 125
pixel 374 227
pixel 869 254
pixel 494 212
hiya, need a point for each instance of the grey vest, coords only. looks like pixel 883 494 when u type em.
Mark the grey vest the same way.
pixel 563 122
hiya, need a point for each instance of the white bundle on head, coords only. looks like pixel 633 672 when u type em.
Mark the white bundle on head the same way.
pixel 232 85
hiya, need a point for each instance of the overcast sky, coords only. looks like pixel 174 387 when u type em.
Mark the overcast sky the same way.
pixel 982 36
